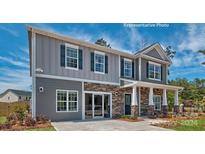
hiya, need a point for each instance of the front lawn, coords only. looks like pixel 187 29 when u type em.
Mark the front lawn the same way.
pixel 2 119
pixel 191 124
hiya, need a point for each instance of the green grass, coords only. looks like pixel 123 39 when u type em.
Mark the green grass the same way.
pixel 2 119
pixel 41 129
pixel 191 125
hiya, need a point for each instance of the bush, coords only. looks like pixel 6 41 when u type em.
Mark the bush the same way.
pixel 20 113
pixel 29 121
pixel 41 119
pixel 12 119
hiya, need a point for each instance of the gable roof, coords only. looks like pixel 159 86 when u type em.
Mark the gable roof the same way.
pixel 17 92
pixel 160 50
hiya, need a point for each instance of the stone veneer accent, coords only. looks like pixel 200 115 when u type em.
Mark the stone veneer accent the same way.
pixel 176 109
pixel 165 110
pixel 145 108
pixel 118 107
pixel 134 110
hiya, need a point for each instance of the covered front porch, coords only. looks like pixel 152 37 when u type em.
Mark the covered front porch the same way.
pixel 151 98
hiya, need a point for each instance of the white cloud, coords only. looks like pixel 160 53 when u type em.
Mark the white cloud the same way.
pixel 194 39
pixel 186 59
pixel 10 31
pixel 14 62
pixel 14 79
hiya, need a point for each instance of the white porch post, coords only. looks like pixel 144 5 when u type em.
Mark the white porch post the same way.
pixel 164 97
pixel 151 96
pixel 134 95
pixel 176 100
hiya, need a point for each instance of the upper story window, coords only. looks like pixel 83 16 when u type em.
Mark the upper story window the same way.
pixel 99 62
pixel 71 56
pixel 154 71
pixel 127 68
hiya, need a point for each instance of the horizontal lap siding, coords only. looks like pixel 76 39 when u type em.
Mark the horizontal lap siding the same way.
pixel 48 58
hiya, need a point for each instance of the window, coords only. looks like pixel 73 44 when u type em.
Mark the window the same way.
pixel 127 68
pixel 157 102
pixel 72 101
pixel 154 71
pixel 61 100
pixel 71 56
pixel 99 62
pixel 67 101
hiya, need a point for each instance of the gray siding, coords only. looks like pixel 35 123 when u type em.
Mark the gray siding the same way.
pixel 48 58
pixel 137 69
pixel 144 72
pixel 46 101
pixel 154 53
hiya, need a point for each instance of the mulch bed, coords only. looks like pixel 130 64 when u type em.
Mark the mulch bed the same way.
pixel 18 127
pixel 130 119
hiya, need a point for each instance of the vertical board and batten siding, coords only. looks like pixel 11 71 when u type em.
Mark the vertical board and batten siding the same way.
pixel 154 53
pixel 48 58
pixel 144 72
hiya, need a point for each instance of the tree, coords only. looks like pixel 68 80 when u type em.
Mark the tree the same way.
pixel 203 52
pixel 102 42
pixel 170 52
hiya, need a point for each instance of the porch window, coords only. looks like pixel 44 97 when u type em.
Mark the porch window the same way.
pixel 99 62
pixel 128 68
pixel 157 102
pixel 66 101
pixel 71 57
pixel 154 71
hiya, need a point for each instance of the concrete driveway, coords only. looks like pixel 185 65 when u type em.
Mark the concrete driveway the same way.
pixel 107 125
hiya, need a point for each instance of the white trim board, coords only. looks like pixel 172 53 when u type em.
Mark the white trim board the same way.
pixel 75 79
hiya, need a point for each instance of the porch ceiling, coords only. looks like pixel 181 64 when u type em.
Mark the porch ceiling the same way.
pixel 153 85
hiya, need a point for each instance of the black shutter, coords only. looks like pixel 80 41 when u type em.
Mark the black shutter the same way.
pixel 161 72
pixel 92 61
pixel 147 69
pixel 106 64
pixel 62 60
pixel 80 58
pixel 133 69
pixel 122 67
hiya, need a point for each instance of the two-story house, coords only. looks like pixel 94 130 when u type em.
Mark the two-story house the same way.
pixel 74 79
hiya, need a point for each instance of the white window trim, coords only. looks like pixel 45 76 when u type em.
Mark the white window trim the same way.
pixel 156 64
pixel 158 102
pixel 74 47
pixel 128 60
pixel 67 91
pixel 99 53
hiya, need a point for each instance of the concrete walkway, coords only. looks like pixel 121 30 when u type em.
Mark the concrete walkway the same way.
pixel 108 125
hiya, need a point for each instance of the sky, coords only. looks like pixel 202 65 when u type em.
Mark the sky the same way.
pixel 185 39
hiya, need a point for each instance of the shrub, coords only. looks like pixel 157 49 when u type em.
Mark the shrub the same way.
pixel 20 113
pixel 12 119
pixel 7 125
pixel 29 121
pixel 41 119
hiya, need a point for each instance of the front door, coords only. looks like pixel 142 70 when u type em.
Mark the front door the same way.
pixel 98 106
pixel 128 98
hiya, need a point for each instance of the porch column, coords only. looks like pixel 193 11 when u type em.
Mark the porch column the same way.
pixel 134 105
pixel 151 103
pixel 164 103
pixel 176 102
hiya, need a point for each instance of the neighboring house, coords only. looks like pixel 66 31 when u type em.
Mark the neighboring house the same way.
pixel 12 95
pixel 74 79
